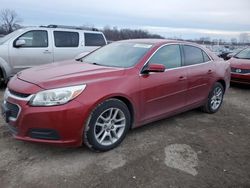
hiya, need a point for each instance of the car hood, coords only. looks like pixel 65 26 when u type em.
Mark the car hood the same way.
pixel 240 63
pixel 68 73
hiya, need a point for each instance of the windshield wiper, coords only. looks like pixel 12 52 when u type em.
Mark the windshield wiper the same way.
pixel 93 63
pixel 96 64
pixel 79 59
pixel 241 57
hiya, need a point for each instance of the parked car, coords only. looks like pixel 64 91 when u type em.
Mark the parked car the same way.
pixel 240 67
pixel 120 86
pixel 33 46
pixel 229 54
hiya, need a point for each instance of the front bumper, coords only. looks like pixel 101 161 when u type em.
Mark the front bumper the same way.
pixel 59 125
pixel 240 78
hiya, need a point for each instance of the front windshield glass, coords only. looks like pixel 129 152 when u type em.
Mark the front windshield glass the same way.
pixel 244 54
pixel 9 36
pixel 118 54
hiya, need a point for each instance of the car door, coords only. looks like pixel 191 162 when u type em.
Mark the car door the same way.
pixel 164 93
pixel 36 50
pixel 200 70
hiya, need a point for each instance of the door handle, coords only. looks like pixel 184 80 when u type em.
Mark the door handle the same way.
pixel 209 71
pixel 181 78
pixel 47 52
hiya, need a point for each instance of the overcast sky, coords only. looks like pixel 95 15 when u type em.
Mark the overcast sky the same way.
pixel 180 18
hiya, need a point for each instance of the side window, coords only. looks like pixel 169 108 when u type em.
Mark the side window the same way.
pixel 34 38
pixel 66 39
pixel 192 55
pixel 205 57
pixel 169 55
pixel 94 39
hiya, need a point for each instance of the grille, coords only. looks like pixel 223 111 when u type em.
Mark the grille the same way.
pixel 14 110
pixel 22 95
pixel 240 71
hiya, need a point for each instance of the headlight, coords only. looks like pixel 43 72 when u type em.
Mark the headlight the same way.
pixel 56 96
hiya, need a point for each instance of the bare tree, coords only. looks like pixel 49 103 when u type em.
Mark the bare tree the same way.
pixel 114 34
pixel 9 20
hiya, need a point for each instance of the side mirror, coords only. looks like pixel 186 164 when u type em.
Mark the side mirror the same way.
pixel 19 43
pixel 154 68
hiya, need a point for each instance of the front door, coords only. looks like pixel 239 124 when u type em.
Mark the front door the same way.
pixel 164 93
pixel 37 50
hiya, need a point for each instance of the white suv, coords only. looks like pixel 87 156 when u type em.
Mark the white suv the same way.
pixel 33 46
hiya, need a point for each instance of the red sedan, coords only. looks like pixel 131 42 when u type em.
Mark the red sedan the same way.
pixel 96 99
pixel 240 67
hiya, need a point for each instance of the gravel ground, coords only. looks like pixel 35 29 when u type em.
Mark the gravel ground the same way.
pixel 192 149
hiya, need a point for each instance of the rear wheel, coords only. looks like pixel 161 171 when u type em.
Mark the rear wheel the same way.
pixel 107 125
pixel 215 99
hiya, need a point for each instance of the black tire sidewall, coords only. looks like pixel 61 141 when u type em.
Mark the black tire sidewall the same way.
pixel 89 134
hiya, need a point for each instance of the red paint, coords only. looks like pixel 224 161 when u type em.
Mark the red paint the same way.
pixel 242 64
pixel 153 96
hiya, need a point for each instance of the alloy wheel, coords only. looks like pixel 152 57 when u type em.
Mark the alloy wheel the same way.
pixel 109 126
pixel 217 97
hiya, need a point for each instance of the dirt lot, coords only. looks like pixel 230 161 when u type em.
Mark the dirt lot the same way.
pixel 189 150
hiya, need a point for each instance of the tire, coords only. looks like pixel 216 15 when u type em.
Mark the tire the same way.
pixel 107 125
pixel 215 99
pixel 2 81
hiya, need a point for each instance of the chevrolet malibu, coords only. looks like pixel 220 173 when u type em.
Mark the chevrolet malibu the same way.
pixel 96 99
pixel 240 67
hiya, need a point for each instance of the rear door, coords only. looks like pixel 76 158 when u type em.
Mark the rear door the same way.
pixel 164 93
pixel 200 70
pixel 37 50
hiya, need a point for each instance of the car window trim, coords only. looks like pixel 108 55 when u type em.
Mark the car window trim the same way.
pixel 182 58
pixel 145 64
pixel 32 46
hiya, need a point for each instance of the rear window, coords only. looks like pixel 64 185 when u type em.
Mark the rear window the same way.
pixel 205 56
pixel 94 39
pixel 66 39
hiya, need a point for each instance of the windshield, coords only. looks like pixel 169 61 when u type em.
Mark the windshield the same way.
pixel 244 54
pixel 118 54
pixel 9 36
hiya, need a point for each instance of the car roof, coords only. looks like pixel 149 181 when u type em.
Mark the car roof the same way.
pixel 160 41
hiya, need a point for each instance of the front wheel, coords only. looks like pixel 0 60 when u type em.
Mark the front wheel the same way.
pixel 107 125
pixel 215 99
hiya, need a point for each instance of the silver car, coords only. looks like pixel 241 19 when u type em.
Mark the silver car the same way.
pixel 33 46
